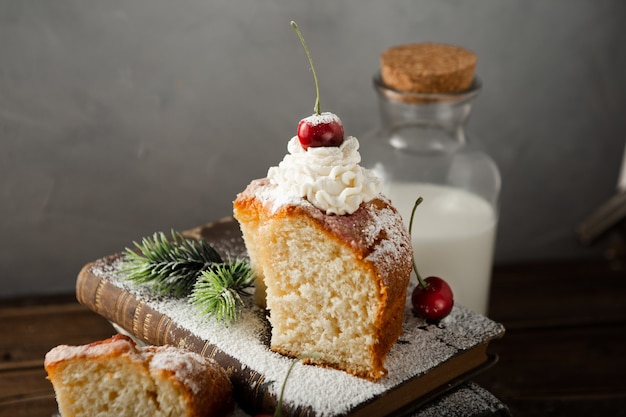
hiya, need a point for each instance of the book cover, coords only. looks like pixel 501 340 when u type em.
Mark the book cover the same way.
pixel 428 360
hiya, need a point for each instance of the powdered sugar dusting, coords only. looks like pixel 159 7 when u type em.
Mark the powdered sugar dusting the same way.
pixel 467 400
pixel 273 198
pixel 322 118
pixel 329 392
pixel 395 243
pixel 185 365
pixel 375 229
pixel 94 350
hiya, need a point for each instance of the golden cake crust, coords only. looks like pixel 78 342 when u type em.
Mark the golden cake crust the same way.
pixel 375 235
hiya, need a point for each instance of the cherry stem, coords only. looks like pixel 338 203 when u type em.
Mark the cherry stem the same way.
pixel 422 283
pixel 316 109
pixel 279 404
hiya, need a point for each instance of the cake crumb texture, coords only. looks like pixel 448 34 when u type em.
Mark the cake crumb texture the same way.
pixel 114 377
pixel 334 285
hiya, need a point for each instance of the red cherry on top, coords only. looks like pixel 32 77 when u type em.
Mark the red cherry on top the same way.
pixel 318 130
pixel 433 302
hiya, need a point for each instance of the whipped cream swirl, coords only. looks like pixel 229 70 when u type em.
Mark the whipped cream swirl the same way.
pixel 329 177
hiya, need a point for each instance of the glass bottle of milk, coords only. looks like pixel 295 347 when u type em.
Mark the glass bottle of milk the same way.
pixel 421 150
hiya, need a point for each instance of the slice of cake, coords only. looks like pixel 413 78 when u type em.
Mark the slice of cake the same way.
pixel 331 255
pixel 116 378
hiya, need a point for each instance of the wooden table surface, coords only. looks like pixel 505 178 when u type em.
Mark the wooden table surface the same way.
pixel 564 352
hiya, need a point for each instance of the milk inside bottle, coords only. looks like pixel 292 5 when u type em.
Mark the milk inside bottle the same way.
pixel 453 237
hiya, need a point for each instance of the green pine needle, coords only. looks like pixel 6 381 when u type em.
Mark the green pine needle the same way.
pixel 172 266
pixel 218 290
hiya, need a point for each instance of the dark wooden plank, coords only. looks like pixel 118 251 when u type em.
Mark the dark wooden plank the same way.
pixel 582 362
pixel 35 405
pixel 550 294
pixel 21 387
pixel 34 330
pixel 30 328
pixel 566 337
pixel 567 407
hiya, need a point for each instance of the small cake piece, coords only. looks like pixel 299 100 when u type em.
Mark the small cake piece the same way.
pixel 428 68
pixel 116 378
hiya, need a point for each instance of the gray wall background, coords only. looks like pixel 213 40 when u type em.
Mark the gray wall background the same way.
pixel 122 118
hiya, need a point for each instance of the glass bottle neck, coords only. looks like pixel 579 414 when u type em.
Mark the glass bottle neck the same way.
pixel 424 122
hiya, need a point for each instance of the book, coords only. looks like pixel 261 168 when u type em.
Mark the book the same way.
pixel 427 360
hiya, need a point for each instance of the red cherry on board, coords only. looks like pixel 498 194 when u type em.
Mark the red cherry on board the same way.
pixel 433 302
pixel 325 129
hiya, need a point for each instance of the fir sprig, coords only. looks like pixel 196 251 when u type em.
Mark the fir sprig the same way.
pixel 218 290
pixel 172 266
pixel 179 266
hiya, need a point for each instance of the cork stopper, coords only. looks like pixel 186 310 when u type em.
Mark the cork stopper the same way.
pixel 427 68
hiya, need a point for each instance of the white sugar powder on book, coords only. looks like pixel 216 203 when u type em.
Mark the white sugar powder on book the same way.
pixel 329 392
